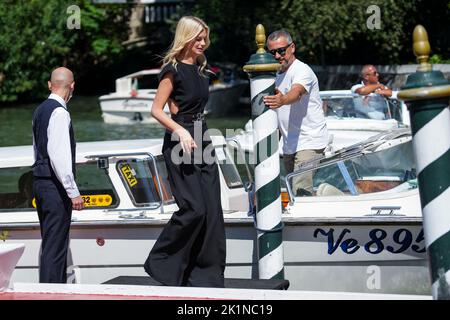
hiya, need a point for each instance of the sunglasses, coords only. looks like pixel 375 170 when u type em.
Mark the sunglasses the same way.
pixel 281 51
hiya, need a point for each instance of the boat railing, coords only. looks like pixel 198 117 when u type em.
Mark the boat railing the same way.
pixel 103 163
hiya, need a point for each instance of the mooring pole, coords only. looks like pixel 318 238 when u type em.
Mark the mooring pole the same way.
pixel 261 69
pixel 427 93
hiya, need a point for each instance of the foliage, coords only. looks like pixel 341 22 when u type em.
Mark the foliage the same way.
pixel 437 58
pixel 334 28
pixel 35 38
pixel 326 31
pixel 232 25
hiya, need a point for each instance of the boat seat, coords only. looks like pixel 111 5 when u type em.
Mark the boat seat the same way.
pixel 326 189
pixel 370 186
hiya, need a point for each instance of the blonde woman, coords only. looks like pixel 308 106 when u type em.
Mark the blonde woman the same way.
pixel 190 250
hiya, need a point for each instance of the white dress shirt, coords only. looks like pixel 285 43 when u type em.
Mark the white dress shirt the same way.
pixel 58 147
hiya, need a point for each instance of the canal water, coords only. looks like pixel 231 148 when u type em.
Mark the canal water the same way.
pixel 15 123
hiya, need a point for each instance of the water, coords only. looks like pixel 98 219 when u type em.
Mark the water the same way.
pixel 15 123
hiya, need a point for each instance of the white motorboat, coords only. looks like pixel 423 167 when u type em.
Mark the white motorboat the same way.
pixel 361 230
pixel 350 117
pixel 225 91
pixel 133 99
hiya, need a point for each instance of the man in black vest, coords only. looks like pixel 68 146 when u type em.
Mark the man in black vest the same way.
pixel 54 184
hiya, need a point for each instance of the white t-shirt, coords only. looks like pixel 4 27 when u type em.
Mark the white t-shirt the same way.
pixel 357 86
pixel 302 124
pixel 361 85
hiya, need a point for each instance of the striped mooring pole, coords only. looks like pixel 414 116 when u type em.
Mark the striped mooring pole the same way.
pixel 426 94
pixel 261 69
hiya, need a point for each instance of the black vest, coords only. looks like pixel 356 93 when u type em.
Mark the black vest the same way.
pixel 41 119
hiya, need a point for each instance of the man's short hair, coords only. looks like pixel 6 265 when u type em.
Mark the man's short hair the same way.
pixel 277 34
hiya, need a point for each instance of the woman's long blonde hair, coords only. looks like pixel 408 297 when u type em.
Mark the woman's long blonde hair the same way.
pixel 188 28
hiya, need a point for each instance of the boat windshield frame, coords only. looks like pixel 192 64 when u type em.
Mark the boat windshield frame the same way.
pixel 160 203
pixel 393 110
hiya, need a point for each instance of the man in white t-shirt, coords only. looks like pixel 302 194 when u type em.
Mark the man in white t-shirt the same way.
pixel 372 107
pixel 297 102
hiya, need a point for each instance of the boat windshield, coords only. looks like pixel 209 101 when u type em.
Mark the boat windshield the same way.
pixel 388 170
pixel 16 188
pixel 372 106
pixel 95 186
pixel 148 81
pixel 228 167
pixel 139 178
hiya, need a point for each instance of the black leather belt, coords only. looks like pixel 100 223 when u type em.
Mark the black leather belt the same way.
pixel 186 118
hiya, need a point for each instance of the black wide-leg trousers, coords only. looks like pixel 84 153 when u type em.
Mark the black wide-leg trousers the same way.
pixel 54 209
pixel 191 249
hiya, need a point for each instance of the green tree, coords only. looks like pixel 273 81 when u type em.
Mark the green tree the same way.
pixel 340 29
pixel 35 38
pixel 327 31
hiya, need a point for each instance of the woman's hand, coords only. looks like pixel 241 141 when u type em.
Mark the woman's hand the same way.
pixel 186 141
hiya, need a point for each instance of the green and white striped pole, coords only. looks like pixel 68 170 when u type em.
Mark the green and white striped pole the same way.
pixel 427 95
pixel 261 69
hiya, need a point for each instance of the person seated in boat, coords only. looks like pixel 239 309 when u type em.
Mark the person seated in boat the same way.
pixel 372 107
pixel 370 83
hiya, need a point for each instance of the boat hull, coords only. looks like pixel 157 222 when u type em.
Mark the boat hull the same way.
pixel 350 255
pixel 127 110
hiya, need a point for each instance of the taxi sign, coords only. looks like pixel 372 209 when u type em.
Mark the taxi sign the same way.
pixel 128 174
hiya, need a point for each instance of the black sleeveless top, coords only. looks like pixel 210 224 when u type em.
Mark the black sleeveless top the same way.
pixel 191 90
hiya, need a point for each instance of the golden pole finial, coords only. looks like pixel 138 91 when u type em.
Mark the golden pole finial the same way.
pixel 260 38
pixel 421 48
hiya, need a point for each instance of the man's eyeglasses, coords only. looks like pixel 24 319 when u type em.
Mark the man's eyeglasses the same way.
pixel 281 51
pixel 375 73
